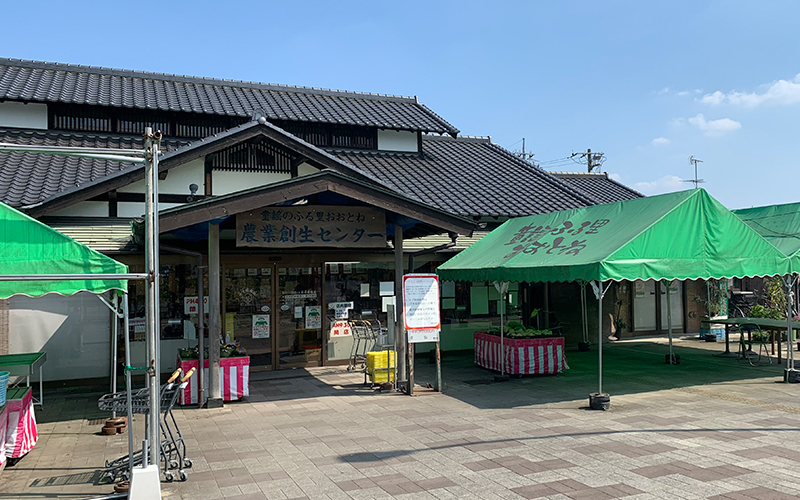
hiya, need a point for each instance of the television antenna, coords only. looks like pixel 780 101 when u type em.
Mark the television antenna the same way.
pixel 694 161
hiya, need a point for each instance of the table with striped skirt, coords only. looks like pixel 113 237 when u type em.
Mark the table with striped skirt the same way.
pixel 17 424
pixel 523 356
pixel 234 379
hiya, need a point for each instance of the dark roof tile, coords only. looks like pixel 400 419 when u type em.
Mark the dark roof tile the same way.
pixel 66 83
pixel 29 178
pixel 599 186
pixel 469 176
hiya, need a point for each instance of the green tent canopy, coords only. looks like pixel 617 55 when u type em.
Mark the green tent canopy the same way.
pixel 29 248
pixel 683 235
pixel 778 224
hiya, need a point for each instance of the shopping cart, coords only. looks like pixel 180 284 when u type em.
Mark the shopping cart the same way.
pixel 363 339
pixel 172 446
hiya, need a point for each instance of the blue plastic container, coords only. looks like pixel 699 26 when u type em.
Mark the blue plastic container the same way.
pixel 3 387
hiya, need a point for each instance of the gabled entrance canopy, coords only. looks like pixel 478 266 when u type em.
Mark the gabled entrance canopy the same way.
pixel 778 224
pixel 419 219
pixel 684 235
pixel 32 248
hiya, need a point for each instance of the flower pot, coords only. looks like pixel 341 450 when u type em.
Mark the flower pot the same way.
pixel 599 401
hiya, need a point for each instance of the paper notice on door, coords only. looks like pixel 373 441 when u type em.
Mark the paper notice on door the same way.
pixel 387 288
pixel 313 317
pixel 261 326
pixel 298 312
pixel 365 289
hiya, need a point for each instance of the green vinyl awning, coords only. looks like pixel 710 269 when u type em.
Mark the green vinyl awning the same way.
pixel 778 224
pixel 29 247
pixel 683 235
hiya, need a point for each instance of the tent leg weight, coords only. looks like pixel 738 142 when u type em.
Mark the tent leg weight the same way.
pixel 501 378
pixel 791 376
pixel 711 337
pixel 584 346
pixel 676 359
pixel 598 401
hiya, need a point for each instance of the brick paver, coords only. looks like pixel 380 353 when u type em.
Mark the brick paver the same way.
pixel 710 428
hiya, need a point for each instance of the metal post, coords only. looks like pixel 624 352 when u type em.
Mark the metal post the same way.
pixel 114 327
pixel 151 291
pixel 438 368
pixel 789 282
pixel 502 289
pixel 502 335
pixel 125 327
pixel 391 338
pixel 402 345
pixel 669 322
pixel 201 332
pixel 410 369
pixel 214 317
pixel 600 338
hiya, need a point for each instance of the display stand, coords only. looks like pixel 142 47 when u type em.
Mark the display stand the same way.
pixel 522 356
pixel 234 378
pixel 17 424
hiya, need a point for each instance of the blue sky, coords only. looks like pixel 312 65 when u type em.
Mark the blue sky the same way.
pixel 646 83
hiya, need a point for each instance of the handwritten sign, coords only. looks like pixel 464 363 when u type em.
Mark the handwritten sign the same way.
pixel 421 299
pixel 312 226
pixel 568 238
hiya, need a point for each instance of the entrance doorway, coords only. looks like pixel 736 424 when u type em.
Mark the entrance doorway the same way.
pixel 274 312
pixel 650 306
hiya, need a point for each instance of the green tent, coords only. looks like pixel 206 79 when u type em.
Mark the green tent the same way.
pixel 778 224
pixel 683 235
pixel 32 248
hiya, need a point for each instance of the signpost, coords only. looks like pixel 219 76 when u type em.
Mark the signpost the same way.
pixel 422 319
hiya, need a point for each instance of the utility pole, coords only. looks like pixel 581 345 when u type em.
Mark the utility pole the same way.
pixel 592 159
pixel 694 161
pixel 525 156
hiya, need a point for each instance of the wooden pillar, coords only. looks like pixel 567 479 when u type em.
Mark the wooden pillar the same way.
pixel 400 339
pixel 214 318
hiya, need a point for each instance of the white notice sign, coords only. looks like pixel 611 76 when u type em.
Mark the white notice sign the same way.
pixel 421 301
pixel 190 305
pixel 313 317
pixel 261 326
pixel 340 329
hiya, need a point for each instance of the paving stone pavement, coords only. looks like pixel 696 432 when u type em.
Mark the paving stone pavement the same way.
pixel 709 428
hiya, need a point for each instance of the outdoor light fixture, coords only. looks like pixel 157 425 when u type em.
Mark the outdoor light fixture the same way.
pixel 192 191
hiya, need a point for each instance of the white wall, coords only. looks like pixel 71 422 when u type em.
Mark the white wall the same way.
pixel 177 181
pixel 306 169
pixel 21 115
pixel 74 331
pixel 223 182
pixel 85 209
pixel 397 140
